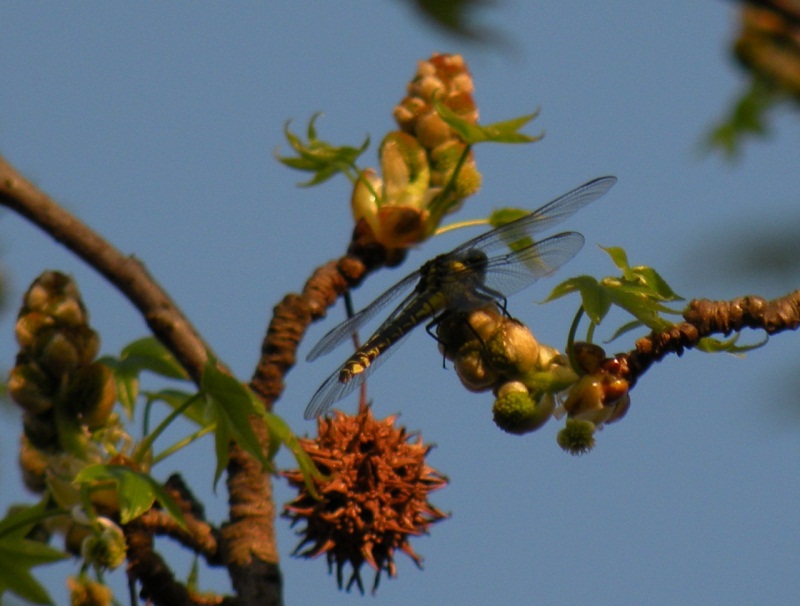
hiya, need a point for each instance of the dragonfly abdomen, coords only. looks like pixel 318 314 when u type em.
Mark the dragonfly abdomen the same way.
pixel 361 360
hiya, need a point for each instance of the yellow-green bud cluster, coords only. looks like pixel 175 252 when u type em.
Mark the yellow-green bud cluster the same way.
pixel 56 380
pixel 491 351
pixel 419 160
pixel 598 397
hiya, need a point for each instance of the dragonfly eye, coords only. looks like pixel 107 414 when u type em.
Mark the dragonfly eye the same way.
pixel 475 259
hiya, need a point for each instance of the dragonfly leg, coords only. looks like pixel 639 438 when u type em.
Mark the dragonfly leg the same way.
pixel 429 328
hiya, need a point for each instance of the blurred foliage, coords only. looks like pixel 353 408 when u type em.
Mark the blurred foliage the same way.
pixel 454 16
pixel 768 49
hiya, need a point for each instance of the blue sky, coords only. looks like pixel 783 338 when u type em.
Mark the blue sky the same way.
pixel 156 123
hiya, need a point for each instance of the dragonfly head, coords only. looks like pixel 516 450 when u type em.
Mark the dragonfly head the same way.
pixel 475 260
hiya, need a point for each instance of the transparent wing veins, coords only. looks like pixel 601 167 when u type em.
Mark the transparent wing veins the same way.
pixel 542 219
pixel 343 331
pixel 332 390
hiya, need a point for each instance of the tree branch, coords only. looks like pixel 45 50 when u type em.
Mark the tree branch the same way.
pixel 127 273
pixel 704 318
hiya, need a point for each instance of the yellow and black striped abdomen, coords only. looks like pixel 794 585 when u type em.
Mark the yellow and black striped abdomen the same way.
pixel 425 307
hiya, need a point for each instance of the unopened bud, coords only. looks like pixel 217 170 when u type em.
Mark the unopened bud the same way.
pixel 31 389
pixel 107 548
pixel 91 395
pixel 516 411
pixel 30 326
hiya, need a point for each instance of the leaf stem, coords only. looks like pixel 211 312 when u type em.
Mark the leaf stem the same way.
pixel 184 442
pixel 571 340
pixel 147 443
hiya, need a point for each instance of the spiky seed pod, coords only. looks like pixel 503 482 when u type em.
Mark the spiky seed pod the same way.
pixel 373 499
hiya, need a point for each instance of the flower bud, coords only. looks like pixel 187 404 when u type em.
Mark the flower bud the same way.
pixel 31 389
pixel 517 412
pixel 512 349
pixel 588 356
pixel 473 371
pixel 69 312
pixel 107 548
pixel 431 130
pixel 91 395
pixel 577 437
pixel 85 592
pixel 33 464
pixel 58 355
pixel 41 431
pixel 29 326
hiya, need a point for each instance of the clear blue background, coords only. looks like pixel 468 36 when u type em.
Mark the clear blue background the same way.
pixel 157 123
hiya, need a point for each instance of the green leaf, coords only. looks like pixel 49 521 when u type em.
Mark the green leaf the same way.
pixel 279 433
pixel 647 279
pixel 453 15
pixel 17 557
pixel 233 406
pixel 499 132
pixel 594 297
pixel 137 491
pixel 127 381
pixel 625 328
pixel 150 354
pixel 19 523
pixel 656 285
pixel 144 354
pixel 198 412
pixel 747 118
pixel 641 307
pixel 319 157
pixel 712 345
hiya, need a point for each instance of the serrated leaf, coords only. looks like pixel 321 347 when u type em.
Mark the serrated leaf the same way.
pixel 137 491
pixel 319 157
pixel 498 132
pixel 620 258
pixel 17 557
pixel 657 285
pixel 594 298
pixel 644 309
pixel 233 407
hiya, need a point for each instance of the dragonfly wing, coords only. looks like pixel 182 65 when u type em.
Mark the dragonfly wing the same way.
pixel 333 390
pixel 549 215
pixel 508 274
pixel 340 333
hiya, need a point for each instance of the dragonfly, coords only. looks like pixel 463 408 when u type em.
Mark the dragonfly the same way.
pixel 465 279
